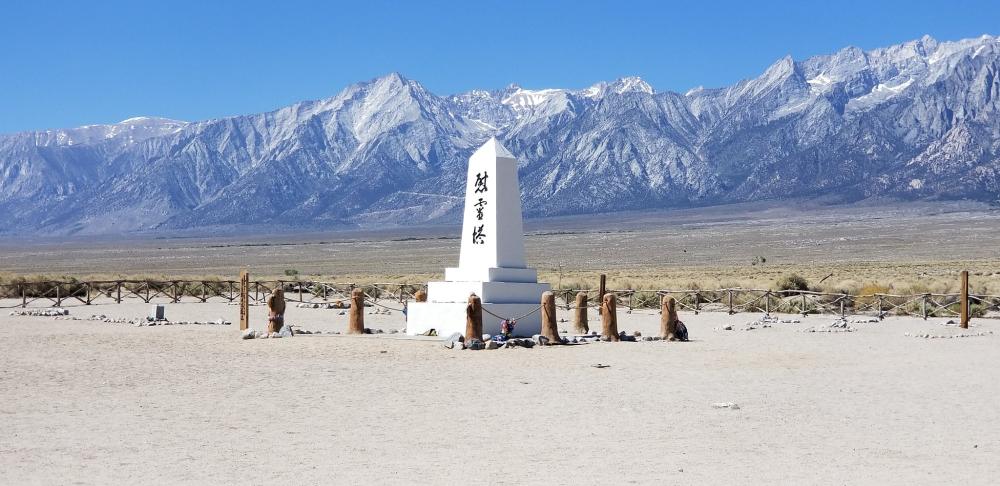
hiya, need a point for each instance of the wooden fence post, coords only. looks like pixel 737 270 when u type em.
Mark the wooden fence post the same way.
pixel 964 324
pixel 803 304
pixel 24 296
pixel 474 319
pixel 767 303
pixel 580 324
pixel 356 324
pixel 602 288
pixel 923 306
pixel 244 300
pixel 731 311
pixel 609 318
pixel 550 329
pixel 668 318
pixel 58 294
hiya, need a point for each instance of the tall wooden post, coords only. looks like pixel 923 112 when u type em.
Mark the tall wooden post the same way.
pixel 244 300
pixel 580 324
pixel 58 294
pixel 474 318
pixel 965 300
pixel 731 311
pixel 118 298
pixel 24 296
pixel 602 288
pixel 549 327
pixel 609 318
pixel 356 324
pixel 668 318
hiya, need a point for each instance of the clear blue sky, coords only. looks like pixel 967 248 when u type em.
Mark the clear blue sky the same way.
pixel 76 62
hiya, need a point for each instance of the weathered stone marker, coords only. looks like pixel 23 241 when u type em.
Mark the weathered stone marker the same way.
pixel 580 324
pixel 356 325
pixel 964 324
pixel 609 318
pixel 244 300
pixel 668 318
pixel 474 318
pixel 550 329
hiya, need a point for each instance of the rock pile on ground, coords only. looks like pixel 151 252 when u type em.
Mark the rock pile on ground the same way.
pixel 63 315
pixel 927 335
pixel 763 322
pixel 51 312
pixel 320 305
pixel 839 325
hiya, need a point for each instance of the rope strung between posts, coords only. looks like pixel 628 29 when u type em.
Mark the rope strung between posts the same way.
pixel 383 306
pixel 536 309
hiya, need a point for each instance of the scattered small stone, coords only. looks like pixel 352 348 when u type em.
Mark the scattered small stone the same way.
pixel 729 405
pixel 600 365
pixel 491 344
pixel 249 334
pixel 475 345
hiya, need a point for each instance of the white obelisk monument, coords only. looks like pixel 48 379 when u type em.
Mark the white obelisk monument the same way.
pixel 491 263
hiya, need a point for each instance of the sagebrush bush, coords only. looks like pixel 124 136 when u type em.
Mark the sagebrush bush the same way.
pixel 791 282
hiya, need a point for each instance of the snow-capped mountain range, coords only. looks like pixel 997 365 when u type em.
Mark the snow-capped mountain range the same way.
pixel 917 120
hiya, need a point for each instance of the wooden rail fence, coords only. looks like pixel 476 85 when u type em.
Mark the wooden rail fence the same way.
pixel 733 300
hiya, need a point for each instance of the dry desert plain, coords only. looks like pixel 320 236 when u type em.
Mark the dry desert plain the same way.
pixel 91 402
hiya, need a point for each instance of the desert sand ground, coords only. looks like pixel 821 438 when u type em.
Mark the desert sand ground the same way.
pixel 87 402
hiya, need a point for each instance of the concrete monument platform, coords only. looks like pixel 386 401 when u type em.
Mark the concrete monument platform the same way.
pixel 491 261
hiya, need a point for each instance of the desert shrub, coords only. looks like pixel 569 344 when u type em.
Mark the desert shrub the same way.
pixel 791 282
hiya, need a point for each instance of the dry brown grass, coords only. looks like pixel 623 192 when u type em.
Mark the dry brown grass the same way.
pixel 852 278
